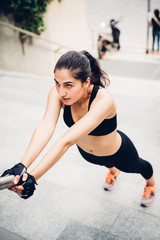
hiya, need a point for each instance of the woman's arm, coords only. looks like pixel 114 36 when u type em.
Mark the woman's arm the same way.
pixel 44 130
pixel 101 107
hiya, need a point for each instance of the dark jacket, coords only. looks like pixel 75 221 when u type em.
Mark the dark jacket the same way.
pixel 156 27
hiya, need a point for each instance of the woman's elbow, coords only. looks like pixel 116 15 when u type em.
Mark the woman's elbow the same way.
pixel 67 143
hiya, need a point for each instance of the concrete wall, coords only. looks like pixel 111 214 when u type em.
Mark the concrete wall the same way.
pixel 65 23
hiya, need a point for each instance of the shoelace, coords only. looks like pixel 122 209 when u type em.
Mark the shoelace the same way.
pixel 110 177
pixel 148 190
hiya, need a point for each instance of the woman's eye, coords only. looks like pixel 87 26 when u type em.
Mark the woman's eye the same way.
pixel 57 83
pixel 68 85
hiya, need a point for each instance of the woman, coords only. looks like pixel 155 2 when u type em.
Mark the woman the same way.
pixel 155 23
pixel 90 114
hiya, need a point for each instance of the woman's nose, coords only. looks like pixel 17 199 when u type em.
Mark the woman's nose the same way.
pixel 62 92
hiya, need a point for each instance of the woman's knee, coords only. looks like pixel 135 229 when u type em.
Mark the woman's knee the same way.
pixel 146 169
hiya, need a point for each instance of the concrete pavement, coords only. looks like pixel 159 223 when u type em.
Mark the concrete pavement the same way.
pixel 70 203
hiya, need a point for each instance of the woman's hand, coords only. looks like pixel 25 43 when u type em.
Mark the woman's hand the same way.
pixel 18 182
pixel 26 186
pixel 18 170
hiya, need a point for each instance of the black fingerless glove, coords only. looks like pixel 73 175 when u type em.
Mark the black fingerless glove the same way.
pixel 29 186
pixel 18 169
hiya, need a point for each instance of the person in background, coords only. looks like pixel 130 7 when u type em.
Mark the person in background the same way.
pixel 155 23
pixel 115 33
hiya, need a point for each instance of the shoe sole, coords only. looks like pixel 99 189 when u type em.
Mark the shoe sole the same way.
pixel 147 205
pixel 109 189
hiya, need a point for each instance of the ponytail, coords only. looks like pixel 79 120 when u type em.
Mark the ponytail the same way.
pixel 98 76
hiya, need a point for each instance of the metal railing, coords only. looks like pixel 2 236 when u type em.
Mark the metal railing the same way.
pixel 31 34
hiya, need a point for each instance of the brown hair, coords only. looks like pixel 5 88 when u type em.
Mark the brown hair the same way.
pixel 83 65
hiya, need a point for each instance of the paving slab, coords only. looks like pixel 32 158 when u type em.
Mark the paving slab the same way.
pixel 6 235
pixel 32 219
pixel 133 225
pixel 80 232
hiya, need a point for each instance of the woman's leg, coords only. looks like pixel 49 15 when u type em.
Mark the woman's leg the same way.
pixel 146 170
pixel 153 41
pixel 128 160
pixel 149 192
pixel 158 39
pixel 150 182
pixel 113 170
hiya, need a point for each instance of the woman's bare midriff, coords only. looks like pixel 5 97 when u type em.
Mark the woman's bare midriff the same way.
pixel 101 145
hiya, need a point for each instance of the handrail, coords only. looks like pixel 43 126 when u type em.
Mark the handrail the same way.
pixel 34 35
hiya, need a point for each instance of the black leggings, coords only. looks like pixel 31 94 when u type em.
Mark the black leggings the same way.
pixel 125 159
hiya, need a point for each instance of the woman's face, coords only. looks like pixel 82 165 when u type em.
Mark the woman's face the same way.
pixel 69 89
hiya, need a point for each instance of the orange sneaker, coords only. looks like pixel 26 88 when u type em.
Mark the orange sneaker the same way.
pixel 110 180
pixel 149 195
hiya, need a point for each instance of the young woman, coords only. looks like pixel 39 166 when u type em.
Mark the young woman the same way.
pixel 90 114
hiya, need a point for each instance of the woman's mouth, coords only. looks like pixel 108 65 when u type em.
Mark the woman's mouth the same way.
pixel 65 99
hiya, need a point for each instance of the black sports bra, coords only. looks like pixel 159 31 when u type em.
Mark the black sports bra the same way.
pixel 105 127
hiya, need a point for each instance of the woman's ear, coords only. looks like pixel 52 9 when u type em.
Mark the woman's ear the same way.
pixel 88 82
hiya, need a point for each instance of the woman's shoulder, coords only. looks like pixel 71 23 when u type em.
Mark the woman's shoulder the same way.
pixel 104 97
pixel 53 96
pixel 105 94
pixel 53 93
pixel 105 100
